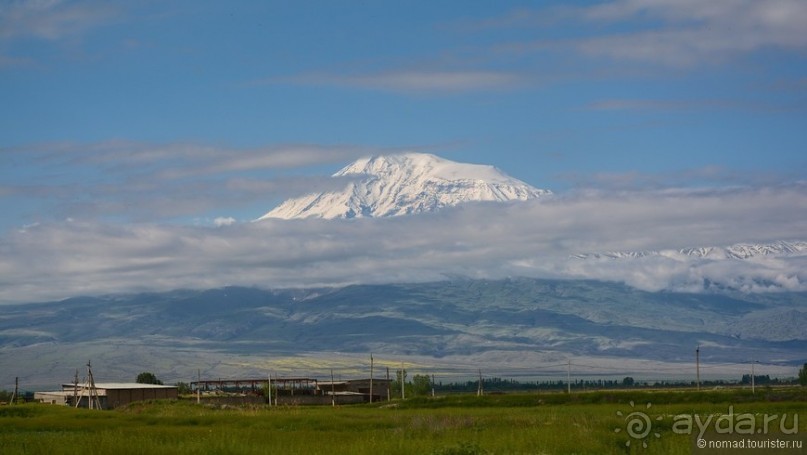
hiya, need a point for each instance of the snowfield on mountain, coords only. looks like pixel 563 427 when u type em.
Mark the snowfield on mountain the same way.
pixel 405 184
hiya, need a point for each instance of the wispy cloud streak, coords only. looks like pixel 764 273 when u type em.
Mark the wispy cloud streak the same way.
pixel 52 19
pixel 668 32
pixel 146 182
pixel 413 81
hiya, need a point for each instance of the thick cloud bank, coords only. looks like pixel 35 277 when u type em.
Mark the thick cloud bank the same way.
pixel 537 238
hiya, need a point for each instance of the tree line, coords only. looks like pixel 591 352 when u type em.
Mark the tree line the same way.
pixel 423 384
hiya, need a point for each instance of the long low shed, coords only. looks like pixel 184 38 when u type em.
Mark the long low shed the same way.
pixel 110 394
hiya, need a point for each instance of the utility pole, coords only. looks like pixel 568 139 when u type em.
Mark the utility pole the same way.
pixel 752 376
pixel 269 388
pixel 479 391
pixel 389 398
pixel 403 382
pixel 371 377
pixel 698 365
pixel 569 377
pixel 198 386
pixel 94 401
pixel 432 385
pixel 333 391
pixel 15 397
pixel 75 388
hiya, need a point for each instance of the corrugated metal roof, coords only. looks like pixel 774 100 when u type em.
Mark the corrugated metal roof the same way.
pixel 122 385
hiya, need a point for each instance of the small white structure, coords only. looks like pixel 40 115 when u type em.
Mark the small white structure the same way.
pixel 54 397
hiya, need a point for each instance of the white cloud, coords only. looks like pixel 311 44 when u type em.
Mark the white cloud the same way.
pixel 481 240
pixel 224 221
pixel 697 32
pixel 52 19
pixel 686 274
pixel 663 33
pixel 691 105
pixel 693 177
pixel 677 33
pixel 177 160
pixel 436 80
pixel 146 182
pixel 439 81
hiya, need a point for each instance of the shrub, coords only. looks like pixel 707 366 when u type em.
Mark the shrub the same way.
pixel 147 378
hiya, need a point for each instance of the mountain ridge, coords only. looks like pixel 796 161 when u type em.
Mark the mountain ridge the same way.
pixel 181 331
pixel 737 251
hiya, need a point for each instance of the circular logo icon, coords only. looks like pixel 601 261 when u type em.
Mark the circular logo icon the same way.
pixel 638 425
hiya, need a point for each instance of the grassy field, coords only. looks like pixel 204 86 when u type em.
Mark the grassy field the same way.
pixel 584 423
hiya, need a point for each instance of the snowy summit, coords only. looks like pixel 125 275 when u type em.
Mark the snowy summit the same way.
pixel 409 183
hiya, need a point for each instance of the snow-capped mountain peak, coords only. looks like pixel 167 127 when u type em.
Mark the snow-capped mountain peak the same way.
pixel 392 185
pixel 737 251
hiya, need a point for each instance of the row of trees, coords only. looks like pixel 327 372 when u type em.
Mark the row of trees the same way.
pixel 422 385
pixel 766 380
pixel 500 384
pixel 419 386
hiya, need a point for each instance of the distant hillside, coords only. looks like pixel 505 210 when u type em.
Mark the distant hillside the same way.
pixel 452 318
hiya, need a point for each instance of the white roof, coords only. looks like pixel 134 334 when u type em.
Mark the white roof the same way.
pixel 60 393
pixel 122 385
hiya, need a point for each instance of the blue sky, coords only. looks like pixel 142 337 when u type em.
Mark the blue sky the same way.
pixel 171 114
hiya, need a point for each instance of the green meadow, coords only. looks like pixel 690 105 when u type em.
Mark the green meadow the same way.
pixel 535 423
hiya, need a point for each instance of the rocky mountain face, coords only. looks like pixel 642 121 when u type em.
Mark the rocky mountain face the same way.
pixel 406 184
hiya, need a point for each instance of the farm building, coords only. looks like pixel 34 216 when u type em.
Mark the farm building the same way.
pixel 110 394
pixel 297 390
pixel 356 387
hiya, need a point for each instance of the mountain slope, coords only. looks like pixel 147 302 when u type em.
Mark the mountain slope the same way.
pixel 181 331
pixel 406 184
